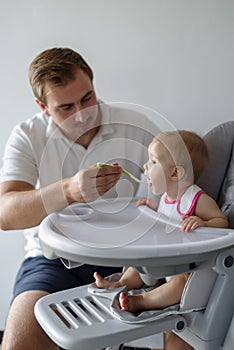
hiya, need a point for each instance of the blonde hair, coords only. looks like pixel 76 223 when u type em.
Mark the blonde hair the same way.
pixel 56 66
pixel 185 148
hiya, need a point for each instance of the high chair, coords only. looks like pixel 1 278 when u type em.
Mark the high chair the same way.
pixel 86 318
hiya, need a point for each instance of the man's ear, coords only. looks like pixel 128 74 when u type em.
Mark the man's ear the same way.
pixel 177 173
pixel 42 106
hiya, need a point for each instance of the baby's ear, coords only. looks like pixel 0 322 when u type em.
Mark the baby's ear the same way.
pixel 177 173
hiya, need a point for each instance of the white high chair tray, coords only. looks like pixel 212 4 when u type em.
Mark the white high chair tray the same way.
pixel 116 233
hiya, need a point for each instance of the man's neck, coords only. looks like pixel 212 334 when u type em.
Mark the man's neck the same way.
pixel 85 139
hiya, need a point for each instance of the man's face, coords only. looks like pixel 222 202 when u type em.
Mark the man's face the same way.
pixel 73 106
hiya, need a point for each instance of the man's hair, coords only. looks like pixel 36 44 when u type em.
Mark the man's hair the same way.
pixel 184 148
pixel 56 66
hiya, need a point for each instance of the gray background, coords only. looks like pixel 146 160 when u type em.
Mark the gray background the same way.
pixel 172 56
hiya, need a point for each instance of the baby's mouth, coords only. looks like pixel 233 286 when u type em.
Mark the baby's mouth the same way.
pixel 148 180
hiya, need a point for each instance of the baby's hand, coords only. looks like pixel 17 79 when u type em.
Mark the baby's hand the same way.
pixel 191 222
pixel 147 201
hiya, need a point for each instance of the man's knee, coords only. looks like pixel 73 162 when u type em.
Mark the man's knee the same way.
pixel 22 329
pixel 173 342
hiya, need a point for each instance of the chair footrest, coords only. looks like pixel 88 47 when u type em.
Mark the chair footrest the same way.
pixel 76 320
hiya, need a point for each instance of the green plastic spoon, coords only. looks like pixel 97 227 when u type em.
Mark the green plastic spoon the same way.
pixel 126 173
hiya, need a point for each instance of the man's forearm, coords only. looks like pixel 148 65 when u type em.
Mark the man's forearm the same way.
pixel 24 209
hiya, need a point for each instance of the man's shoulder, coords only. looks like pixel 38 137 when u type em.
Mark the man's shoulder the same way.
pixel 38 122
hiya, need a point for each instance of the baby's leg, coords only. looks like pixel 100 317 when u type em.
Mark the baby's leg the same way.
pixel 132 303
pixel 104 283
pixel 165 295
pixel 130 278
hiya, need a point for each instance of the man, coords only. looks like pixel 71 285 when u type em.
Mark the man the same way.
pixel 49 164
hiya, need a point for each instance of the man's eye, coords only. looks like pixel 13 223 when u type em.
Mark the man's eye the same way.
pixel 67 107
pixel 87 99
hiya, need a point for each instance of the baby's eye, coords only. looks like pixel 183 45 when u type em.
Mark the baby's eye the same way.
pixel 153 161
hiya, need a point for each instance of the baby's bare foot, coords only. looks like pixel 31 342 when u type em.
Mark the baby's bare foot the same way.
pixel 103 283
pixel 132 303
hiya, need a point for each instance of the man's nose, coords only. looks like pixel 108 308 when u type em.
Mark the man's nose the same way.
pixel 81 114
pixel 78 107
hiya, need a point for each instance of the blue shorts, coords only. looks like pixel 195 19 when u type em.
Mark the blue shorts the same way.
pixel 51 276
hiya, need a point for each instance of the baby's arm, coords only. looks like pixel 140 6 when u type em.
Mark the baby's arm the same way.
pixel 147 201
pixel 207 213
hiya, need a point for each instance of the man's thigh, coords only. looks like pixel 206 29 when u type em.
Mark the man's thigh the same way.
pixel 22 330
pixel 52 276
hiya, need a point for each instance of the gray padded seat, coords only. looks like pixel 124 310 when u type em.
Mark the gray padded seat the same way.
pixel 218 178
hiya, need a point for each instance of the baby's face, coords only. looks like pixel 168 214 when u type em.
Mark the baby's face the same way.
pixel 157 169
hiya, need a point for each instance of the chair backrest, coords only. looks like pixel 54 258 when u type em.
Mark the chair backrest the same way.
pixel 218 178
pixel 218 182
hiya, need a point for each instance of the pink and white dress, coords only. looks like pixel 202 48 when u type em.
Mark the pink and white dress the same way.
pixel 184 206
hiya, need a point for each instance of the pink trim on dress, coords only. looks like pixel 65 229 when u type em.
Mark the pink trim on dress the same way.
pixel 167 201
pixel 170 202
pixel 193 204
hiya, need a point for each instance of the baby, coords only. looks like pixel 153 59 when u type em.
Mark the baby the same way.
pixel 176 161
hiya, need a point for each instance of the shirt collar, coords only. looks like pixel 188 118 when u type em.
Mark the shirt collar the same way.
pixel 53 131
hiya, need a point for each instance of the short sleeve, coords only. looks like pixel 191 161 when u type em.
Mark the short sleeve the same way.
pixel 18 161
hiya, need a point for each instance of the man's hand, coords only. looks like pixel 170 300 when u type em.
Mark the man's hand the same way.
pixel 89 184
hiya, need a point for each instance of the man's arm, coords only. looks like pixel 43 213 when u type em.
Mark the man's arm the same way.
pixel 23 206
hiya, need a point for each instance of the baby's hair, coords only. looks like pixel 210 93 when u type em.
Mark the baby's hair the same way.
pixel 175 143
pixel 56 66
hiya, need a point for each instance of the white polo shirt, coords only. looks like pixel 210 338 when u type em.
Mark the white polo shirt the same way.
pixel 38 153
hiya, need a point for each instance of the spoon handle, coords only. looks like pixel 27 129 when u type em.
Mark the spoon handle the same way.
pixel 125 172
